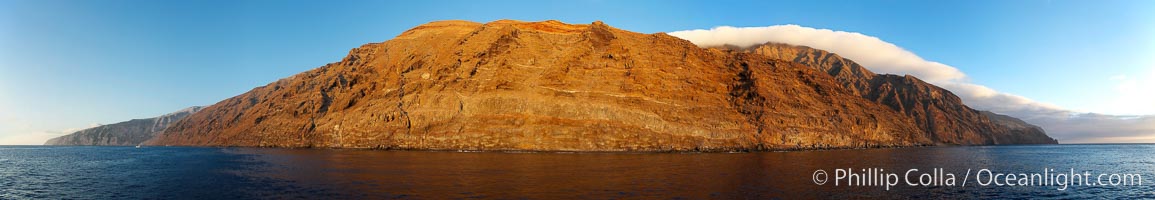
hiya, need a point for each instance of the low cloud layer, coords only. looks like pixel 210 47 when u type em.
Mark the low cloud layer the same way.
pixel 880 56
pixel 883 57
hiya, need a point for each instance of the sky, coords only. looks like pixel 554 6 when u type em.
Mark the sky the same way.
pixel 1083 70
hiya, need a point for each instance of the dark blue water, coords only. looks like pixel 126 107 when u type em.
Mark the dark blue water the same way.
pixel 34 172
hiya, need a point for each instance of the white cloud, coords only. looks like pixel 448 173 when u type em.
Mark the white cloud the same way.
pixel 883 57
pixel 1134 94
pixel 1098 128
pixel 984 98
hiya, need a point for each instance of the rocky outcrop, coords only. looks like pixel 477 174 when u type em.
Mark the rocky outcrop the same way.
pixel 938 112
pixel 511 85
pixel 1022 131
pixel 129 133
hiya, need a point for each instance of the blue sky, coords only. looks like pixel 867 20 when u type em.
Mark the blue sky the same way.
pixel 66 65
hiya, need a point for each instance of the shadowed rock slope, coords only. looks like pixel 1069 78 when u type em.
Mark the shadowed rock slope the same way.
pixel 129 133
pixel 1021 131
pixel 511 85
pixel 938 112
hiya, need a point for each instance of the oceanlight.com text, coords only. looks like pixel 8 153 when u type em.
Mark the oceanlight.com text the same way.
pixel 1047 177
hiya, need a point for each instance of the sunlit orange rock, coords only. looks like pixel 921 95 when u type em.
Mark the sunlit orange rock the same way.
pixel 550 86
pixel 935 110
pixel 509 85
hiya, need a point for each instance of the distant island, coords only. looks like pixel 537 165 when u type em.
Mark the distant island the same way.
pixel 552 86
pixel 128 133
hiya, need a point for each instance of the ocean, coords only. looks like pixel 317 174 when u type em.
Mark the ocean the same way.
pixel 1111 171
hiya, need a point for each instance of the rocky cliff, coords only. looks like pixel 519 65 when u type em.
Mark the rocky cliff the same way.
pixel 128 133
pixel 511 85
pixel 1021 131
pixel 938 112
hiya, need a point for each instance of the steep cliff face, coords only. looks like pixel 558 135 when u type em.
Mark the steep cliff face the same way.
pixel 510 85
pixel 852 75
pixel 937 111
pixel 129 133
pixel 1022 131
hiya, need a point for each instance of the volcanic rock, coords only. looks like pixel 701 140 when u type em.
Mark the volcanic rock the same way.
pixel 937 111
pixel 551 86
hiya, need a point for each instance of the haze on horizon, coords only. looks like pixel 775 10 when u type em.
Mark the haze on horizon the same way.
pixel 1081 70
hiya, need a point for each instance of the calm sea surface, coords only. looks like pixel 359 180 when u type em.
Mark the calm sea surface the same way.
pixel 34 172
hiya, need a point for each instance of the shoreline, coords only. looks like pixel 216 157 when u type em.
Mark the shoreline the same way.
pixel 514 151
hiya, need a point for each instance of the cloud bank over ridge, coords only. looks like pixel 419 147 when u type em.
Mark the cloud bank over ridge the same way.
pixel 883 57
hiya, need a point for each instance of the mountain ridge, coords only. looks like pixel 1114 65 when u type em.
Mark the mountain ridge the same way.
pixel 511 85
pixel 937 111
pixel 552 86
pixel 127 133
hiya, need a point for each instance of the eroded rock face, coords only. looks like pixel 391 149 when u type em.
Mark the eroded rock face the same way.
pixel 511 85
pixel 128 133
pixel 936 111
